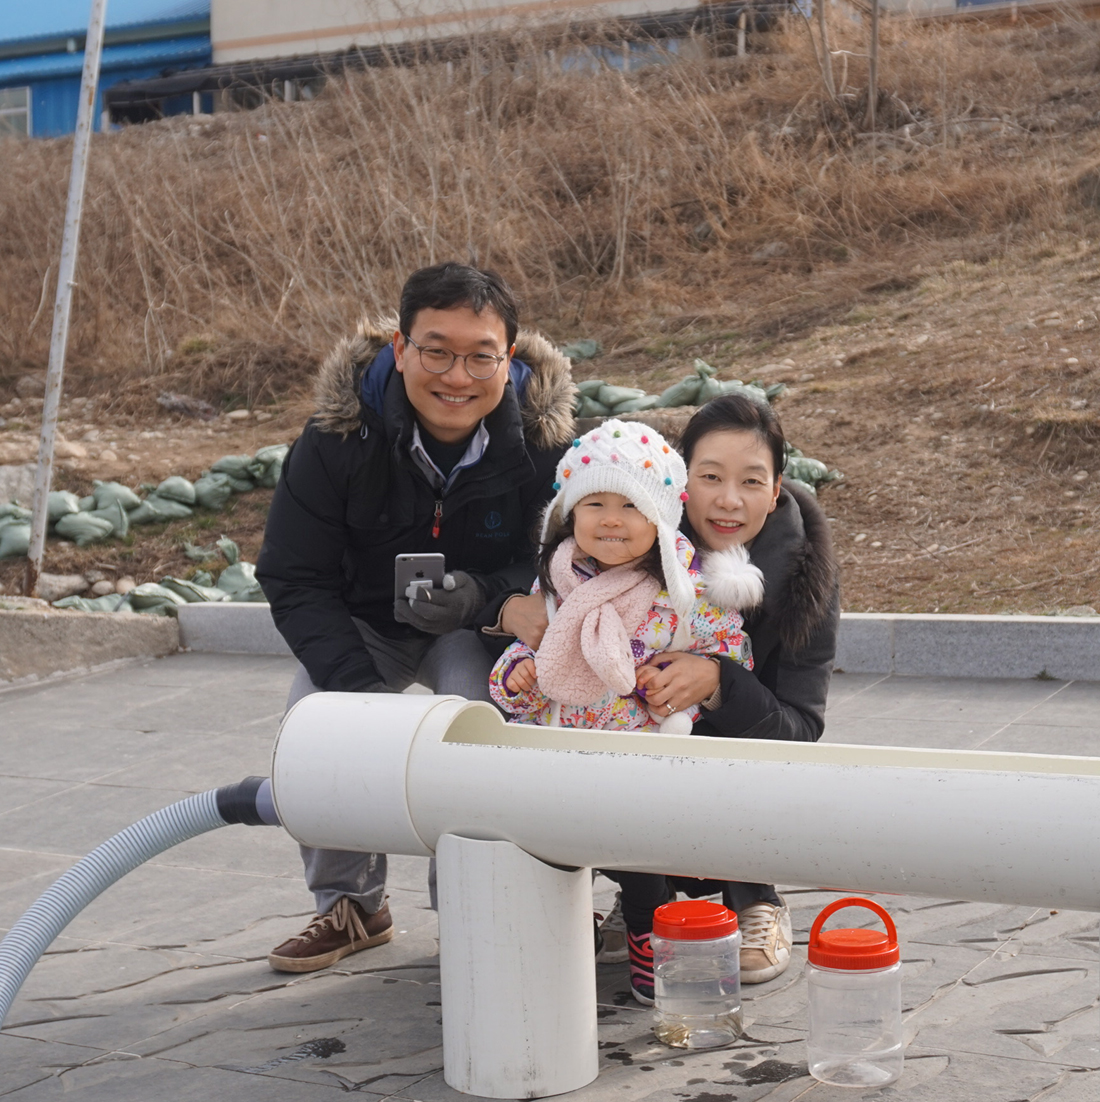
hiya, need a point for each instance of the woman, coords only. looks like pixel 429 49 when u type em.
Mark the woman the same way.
pixel 735 451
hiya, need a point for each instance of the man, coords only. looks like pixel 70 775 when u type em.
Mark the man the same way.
pixel 427 438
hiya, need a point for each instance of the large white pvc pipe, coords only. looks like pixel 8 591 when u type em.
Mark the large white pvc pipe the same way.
pixel 516 970
pixel 393 773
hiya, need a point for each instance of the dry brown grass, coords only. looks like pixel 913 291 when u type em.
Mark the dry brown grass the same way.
pixel 222 257
pixel 931 296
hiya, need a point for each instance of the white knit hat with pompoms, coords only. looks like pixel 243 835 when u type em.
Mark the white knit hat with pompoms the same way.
pixel 631 459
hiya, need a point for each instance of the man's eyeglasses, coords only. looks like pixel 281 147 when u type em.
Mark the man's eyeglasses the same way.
pixel 479 365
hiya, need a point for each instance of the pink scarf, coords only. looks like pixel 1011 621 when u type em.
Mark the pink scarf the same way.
pixel 601 614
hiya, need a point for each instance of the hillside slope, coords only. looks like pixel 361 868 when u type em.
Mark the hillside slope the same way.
pixel 928 293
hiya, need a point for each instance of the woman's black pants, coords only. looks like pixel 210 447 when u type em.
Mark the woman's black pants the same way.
pixel 641 893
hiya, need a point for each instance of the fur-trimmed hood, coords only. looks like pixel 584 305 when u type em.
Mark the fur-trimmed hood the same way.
pixel 545 392
pixel 795 552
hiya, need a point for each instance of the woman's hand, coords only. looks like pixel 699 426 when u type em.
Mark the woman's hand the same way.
pixel 525 618
pixel 687 679
pixel 523 678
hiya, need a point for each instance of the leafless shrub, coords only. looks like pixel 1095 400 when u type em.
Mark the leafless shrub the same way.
pixel 220 257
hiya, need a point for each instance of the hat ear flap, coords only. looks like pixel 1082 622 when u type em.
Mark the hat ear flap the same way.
pixel 552 521
pixel 681 589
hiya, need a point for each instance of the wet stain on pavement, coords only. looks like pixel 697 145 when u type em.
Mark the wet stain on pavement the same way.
pixel 771 1071
pixel 320 1049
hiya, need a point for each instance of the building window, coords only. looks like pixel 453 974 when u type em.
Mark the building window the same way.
pixel 15 112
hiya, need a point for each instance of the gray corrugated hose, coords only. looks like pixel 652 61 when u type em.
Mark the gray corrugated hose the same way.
pixel 246 802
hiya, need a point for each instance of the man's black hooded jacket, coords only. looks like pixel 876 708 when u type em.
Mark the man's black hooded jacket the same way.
pixel 351 498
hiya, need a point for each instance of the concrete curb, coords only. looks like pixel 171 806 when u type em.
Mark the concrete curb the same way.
pixel 36 643
pixel 229 627
pixel 1066 648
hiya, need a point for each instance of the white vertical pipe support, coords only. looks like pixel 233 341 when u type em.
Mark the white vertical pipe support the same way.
pixel 59 338
pixel 517 973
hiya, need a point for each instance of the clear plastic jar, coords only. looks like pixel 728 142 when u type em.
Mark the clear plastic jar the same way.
pixel 697 974
pixel 854 980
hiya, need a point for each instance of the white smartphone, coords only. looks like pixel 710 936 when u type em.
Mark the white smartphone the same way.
pixel 417 570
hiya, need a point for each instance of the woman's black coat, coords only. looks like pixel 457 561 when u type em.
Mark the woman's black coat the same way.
pixel 793 632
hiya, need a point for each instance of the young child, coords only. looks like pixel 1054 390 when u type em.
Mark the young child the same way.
pixel 621 586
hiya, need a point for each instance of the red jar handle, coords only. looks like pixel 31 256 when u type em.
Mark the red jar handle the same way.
pixel 852 901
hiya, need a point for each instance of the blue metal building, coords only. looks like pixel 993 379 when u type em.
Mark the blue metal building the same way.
pixel 42 56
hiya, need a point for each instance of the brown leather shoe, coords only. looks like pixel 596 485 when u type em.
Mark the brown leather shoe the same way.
pixel 346 929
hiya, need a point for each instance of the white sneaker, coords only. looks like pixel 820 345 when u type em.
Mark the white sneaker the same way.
pixel 766 942
pixel 613 932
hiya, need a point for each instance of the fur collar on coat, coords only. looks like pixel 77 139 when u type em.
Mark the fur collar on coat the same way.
pixel 547 407
pixel 795 552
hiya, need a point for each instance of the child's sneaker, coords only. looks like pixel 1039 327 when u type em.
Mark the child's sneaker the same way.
pixel 641 967
pixel 613 935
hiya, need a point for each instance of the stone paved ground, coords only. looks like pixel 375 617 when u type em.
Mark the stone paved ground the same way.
pixel 160 989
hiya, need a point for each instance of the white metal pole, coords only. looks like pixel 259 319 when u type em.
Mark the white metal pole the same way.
pixel 516 971
pixel 85 121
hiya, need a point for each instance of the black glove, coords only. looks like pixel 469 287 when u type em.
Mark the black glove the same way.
pixel 439 611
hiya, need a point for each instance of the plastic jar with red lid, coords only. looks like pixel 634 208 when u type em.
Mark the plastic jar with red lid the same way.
pixel 697 974
pixel 854 980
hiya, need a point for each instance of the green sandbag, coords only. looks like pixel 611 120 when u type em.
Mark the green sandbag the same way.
pixel 637 405
pixel 177 488
pixel 229 550
pixel 116 516
pixel 237 577
pixel 191 591
pixel 236 468
pixel 9 511
pixel 267 465
pixel 154 598
pixel 746 390
pixel 87 504
pixel 156 508
pixel 788 481
pixel 708 389
pixel 583 349
pixel 589 407
pixel 84 528
pixel 611 396
pixel 203 578
pixel 15 539
pixel 683 393
pixel 212 491
pixel 107 492
pixel 703 369
pixel 59 503
pixel 197 553
pixel 590 388
pixel 774 391
pixel 252 593
pixel 804 469
pixel 109 602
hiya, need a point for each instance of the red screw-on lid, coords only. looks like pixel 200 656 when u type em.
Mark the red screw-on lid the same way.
pixel 694 920
pixel 853 950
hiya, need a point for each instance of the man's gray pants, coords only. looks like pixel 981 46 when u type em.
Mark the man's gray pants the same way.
pixel 455 663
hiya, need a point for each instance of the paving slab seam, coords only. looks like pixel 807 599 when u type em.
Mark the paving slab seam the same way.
pixel 36 681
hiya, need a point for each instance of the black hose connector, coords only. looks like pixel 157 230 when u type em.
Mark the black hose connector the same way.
pixel 248 802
